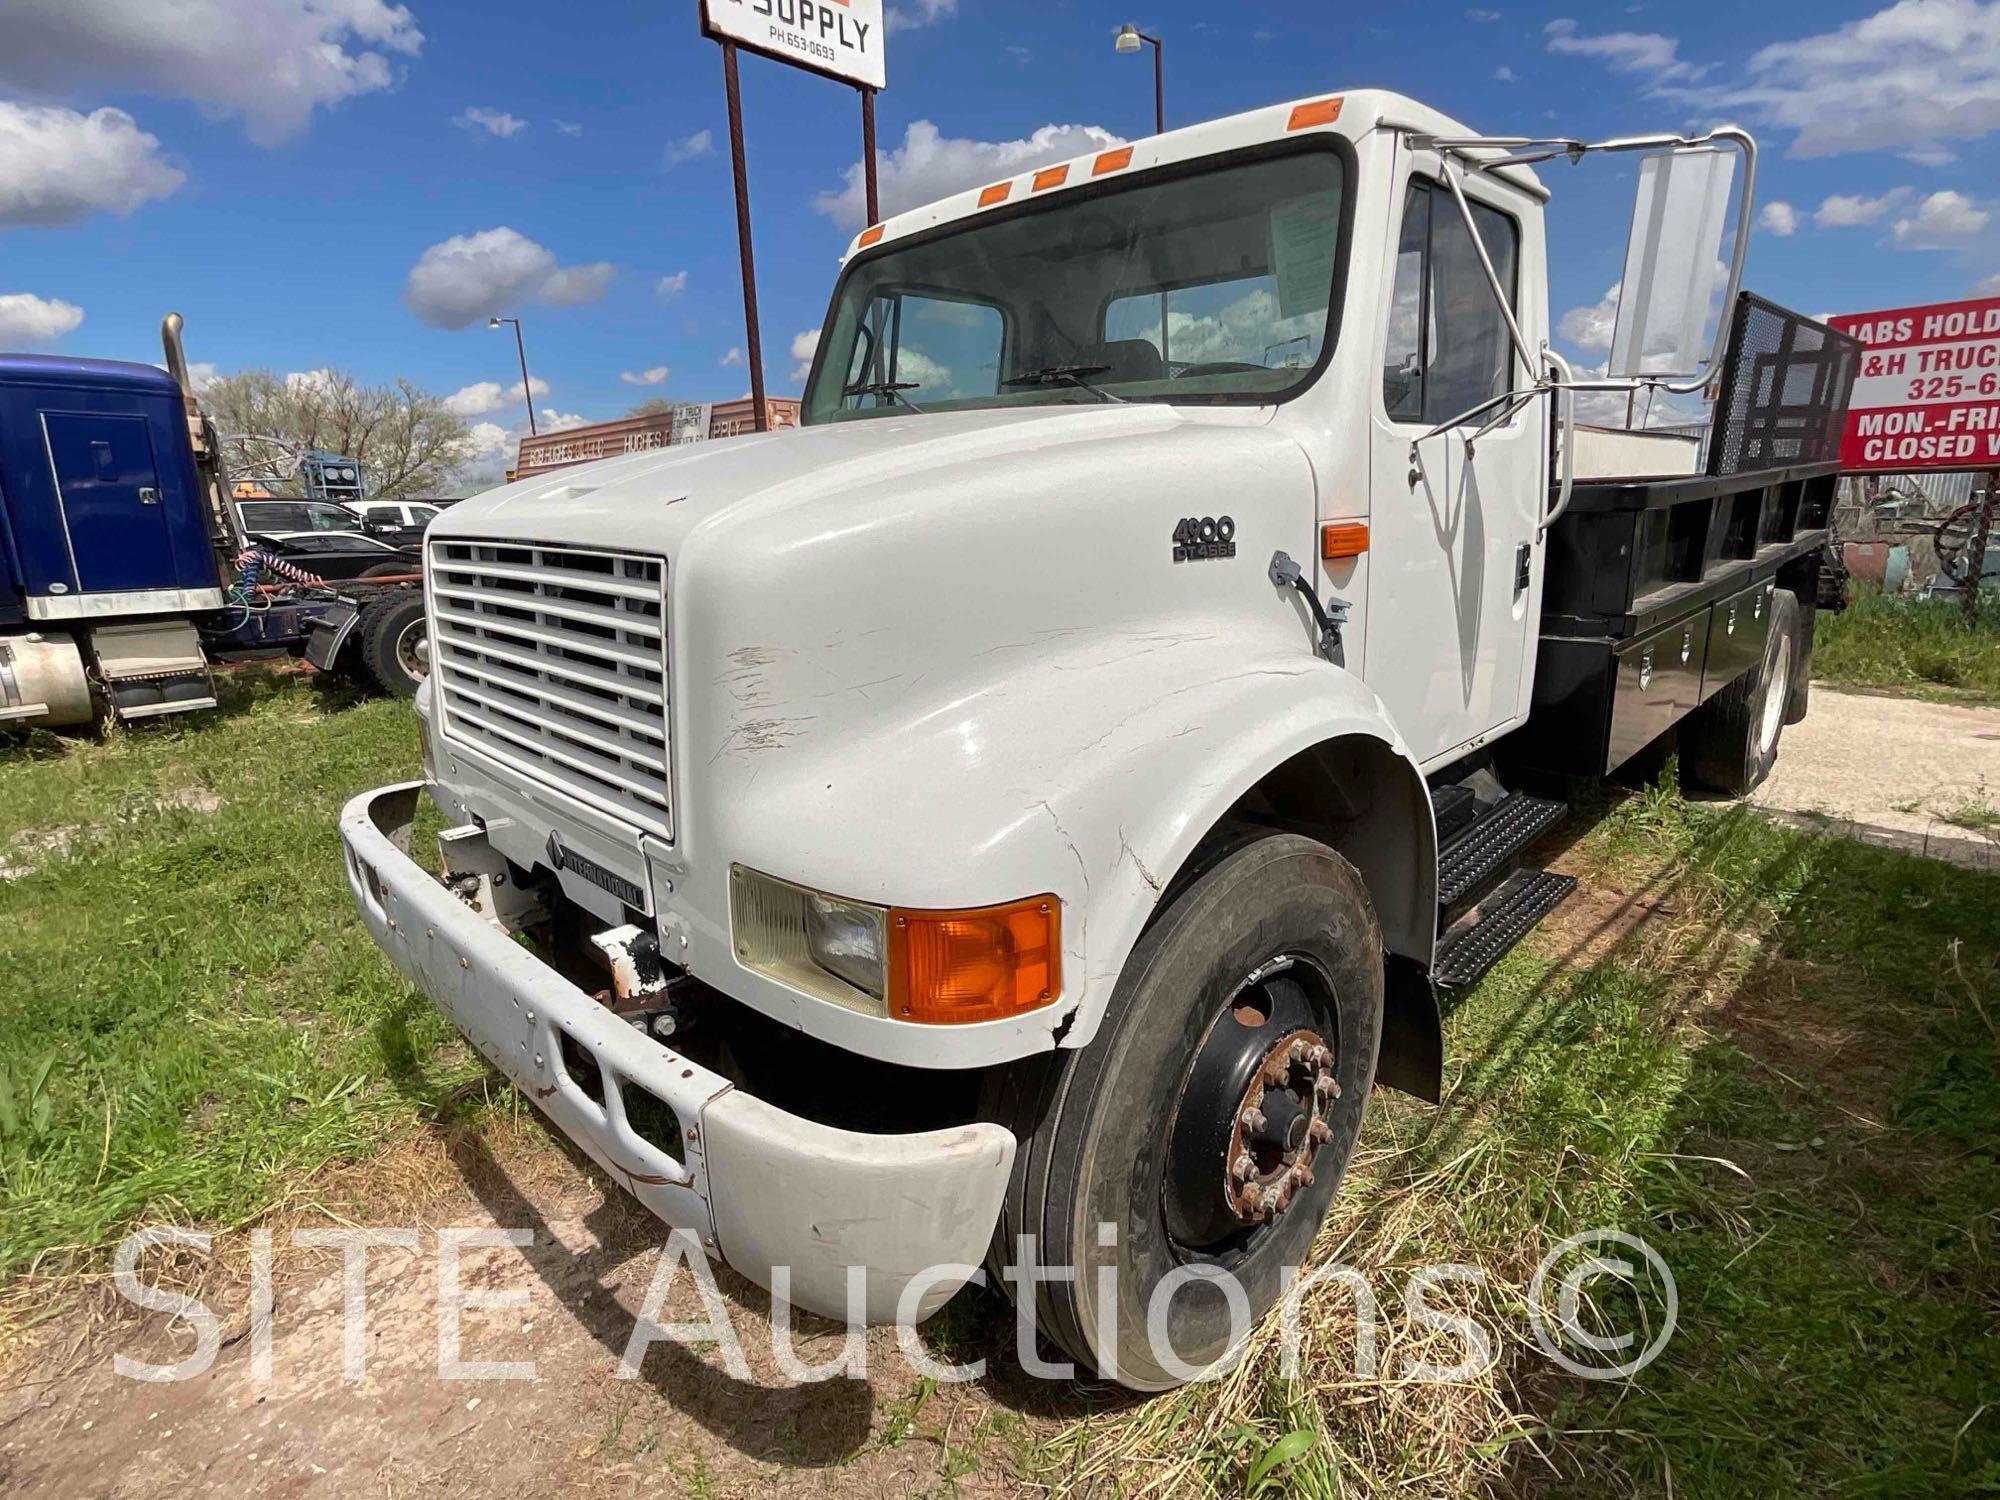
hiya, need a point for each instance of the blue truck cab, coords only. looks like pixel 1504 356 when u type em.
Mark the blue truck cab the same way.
pixel 109 542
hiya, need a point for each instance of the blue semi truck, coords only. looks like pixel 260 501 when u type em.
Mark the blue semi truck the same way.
pixel 121 555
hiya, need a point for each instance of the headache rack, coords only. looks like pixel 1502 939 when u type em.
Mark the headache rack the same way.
pixel 1659 588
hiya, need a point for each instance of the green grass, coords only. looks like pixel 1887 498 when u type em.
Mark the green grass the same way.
pixel 1906 645
pixel 1787 1082
pixel 193 1016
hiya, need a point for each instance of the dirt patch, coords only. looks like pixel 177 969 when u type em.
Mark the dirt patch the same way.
pixel 70 1423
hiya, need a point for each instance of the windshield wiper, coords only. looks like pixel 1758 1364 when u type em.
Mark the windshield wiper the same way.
pixel 893 389
pixel 1066 375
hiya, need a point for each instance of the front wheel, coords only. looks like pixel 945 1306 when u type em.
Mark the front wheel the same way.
pixel 395 646
pixel 1199 1138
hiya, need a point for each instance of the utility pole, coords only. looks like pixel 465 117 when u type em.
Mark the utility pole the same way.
pixel 1975 552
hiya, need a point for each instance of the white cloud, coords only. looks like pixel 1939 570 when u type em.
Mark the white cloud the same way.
pixel 921 13
pixel 671 285
pixel 491 452
pixel 469 276
pixel 28 319
pixel 1943 221
pixel 492 121
pixel 930 165
pixel 568 127
pixel 484 396
pixel 202 373
pixel 57 165
pixel 272 62
pixel 1482 15
pixel 1645 52
pixel 1590 327
pixel 1779 218
pixel 653 376
pixel 686 149
pixel 1506 74
pixel 1913 75
pixel 804 345
pixel 1988 286
pixel 733 357
pixel 321 380
pixel 1846 210
pixel 551 420
pixel 1930 156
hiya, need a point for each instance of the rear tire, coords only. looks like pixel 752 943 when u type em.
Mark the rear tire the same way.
pixel 1730 743
pixel 1799 698
pixel 392 634
pixel 1259 976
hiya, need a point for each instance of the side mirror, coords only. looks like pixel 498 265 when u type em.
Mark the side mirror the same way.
pixel 1672 263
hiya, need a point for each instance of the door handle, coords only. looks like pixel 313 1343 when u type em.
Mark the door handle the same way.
pixel 148 495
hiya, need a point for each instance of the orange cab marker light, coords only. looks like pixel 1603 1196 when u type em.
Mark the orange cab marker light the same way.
pixel 982 963
pixel 1112 161
pixel 1050 177
pixel 995 194
pixel 1318 112
pixel 1343 539
pixel 870 235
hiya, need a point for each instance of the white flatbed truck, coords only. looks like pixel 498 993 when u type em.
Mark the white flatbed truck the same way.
pixel 957 831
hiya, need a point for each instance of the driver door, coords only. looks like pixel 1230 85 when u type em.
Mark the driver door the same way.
pixel 1452 606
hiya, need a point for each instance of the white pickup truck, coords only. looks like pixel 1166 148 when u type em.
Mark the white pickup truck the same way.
pixel 1017 817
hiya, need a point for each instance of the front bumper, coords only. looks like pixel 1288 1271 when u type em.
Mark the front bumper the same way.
pixel 760 1187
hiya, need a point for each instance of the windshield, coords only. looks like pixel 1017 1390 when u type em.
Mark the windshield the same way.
pixel 1066 303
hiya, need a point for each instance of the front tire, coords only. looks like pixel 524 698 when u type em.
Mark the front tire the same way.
pixel 1207 1126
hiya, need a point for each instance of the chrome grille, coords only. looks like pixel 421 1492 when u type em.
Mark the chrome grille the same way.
pixel 552 660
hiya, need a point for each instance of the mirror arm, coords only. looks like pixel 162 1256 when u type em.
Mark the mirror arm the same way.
pixel 1486 264
pixel 1531 149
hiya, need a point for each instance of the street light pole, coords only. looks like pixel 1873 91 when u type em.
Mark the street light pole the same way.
pixel 521 349
pixel 1130 39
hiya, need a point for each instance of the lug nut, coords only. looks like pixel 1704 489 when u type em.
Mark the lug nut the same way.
pixel 1320 1130
pixel 1321 1057
pixel 1251 1118
pixel 1305 1175
pixel 1326 1083
pixel 1298 1049
pixel 1243 1168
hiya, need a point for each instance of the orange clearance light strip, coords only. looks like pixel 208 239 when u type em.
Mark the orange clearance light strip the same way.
pixel 1344 539
pixel 980 964
pixel 1050 177
pixel 1112 161
pixel 995 194
pixel 870 236
pixel 1319 112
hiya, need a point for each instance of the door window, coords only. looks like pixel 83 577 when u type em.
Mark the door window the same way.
pixel 1448 347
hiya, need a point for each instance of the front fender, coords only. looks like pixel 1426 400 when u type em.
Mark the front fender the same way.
pixel 1092 776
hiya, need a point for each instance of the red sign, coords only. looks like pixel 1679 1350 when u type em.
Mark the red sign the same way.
pixel 1927 395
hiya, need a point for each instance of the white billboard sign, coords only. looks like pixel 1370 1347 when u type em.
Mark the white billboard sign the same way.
pixel 840 38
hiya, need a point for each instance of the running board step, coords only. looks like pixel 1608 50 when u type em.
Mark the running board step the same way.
pixel 1483 936
pixel 1474 856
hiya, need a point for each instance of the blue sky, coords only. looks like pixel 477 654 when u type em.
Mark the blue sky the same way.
pixel 276 170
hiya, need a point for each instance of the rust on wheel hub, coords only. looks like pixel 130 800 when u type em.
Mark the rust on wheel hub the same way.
pixel 1280 1123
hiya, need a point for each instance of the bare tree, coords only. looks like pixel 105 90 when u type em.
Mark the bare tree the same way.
pixel 652 406
pixel 406 440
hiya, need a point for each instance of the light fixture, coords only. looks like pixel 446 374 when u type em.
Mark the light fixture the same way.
pixel 494 321
pixel 1128 38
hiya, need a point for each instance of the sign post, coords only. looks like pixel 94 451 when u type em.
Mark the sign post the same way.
pixel 1927 397
pixel 839 38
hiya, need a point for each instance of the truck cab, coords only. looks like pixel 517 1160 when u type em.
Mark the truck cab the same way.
pixel 107 542
pixel 1018 815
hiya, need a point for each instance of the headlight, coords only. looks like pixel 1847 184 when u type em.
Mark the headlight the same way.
pixel 910 964
pixel 845 939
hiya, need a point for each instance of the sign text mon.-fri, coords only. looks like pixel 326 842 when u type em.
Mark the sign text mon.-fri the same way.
pixel 1927 395
pixel 840 38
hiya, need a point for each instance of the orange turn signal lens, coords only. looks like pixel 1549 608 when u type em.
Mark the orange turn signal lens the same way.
pixel 980 964
pixel 1318 112
pixel 870 235
pixel 1343 539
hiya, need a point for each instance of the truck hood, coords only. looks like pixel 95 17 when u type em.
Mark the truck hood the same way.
pixel 652 501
